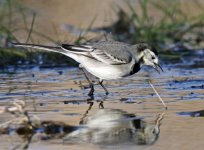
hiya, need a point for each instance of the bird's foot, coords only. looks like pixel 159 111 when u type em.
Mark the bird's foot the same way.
pixel 91 98
pixel 101 105
pixel 90 104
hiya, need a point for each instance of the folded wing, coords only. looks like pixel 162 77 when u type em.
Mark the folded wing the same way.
pixel 106 52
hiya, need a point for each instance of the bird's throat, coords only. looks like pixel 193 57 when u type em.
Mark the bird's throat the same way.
pixel 135 69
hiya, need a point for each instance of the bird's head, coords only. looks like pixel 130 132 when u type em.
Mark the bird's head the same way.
pixel 147 55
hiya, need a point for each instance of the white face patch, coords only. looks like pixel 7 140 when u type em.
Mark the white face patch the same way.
pixel 149 58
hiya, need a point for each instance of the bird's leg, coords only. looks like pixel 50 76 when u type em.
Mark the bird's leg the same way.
pixel 101 84
pixel 92 90
pixel 101 105
pixel 89 81
pixel 101 102
pixel 87 111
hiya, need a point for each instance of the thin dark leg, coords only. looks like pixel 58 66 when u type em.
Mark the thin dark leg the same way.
pixel 90 83
pixel 101 83
pixel 92 90
pixel 101 105
pixel 86 113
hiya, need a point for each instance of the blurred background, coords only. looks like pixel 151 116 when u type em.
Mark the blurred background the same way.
pixel 174 27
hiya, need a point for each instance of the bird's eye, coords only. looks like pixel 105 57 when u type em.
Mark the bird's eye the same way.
pixel 153 57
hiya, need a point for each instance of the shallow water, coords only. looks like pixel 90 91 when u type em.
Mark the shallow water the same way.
pixel 133 117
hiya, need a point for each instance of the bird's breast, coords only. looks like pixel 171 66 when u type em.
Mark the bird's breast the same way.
pixel 135 68
pixel 109 72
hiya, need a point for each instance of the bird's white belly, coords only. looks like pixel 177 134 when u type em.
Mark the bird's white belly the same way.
pixel 107 72
pixel 102 70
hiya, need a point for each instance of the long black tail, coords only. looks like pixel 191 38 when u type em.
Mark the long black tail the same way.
pixel 57 49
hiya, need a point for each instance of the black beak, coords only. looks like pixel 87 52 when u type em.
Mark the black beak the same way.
pixel 157 67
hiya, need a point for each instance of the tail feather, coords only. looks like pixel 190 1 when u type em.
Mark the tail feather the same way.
pixel 57 49
pixel 77 48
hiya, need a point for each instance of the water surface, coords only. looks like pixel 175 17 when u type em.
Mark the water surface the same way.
pixel 132 117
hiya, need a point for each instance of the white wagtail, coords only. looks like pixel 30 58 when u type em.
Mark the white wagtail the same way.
pixel 106 60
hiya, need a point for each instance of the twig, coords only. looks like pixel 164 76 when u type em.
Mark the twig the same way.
pixel 157 94
pixel 10 121
pixel 31 28
pixel 159 118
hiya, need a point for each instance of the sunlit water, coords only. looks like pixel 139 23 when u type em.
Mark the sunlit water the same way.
pixel 132 117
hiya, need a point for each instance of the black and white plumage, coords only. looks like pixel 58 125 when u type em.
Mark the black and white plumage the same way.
pixel 106 60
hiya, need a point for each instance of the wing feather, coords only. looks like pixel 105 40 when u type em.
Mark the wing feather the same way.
pixel 106 52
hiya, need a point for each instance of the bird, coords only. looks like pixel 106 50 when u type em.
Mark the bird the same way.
pixel 106 60
pixel 115 126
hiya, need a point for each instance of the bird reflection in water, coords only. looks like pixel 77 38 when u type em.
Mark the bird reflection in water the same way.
pixel 112 126
pixel 105 126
